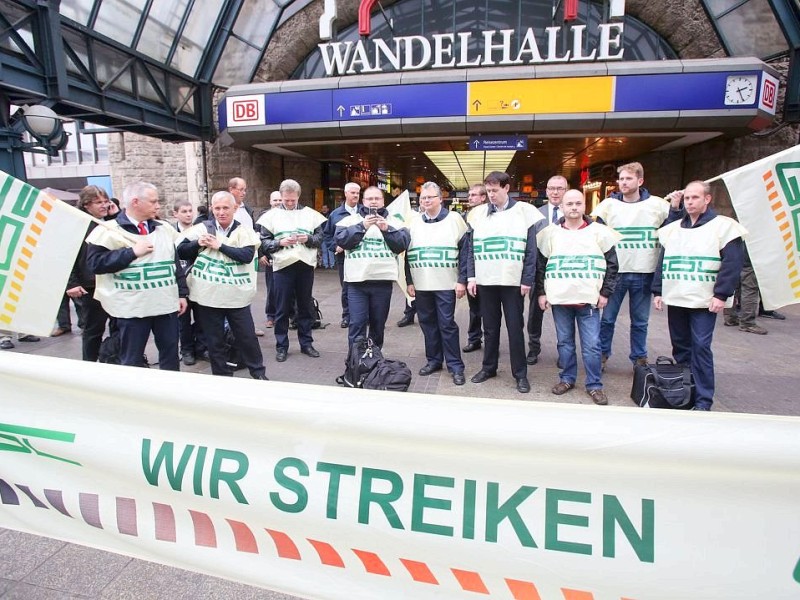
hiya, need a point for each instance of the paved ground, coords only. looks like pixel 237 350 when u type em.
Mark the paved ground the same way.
pixel 755 374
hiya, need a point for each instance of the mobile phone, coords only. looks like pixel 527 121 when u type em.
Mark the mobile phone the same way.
pixel 373 211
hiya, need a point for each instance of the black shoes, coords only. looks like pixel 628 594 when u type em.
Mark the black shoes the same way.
pixel 189 358
pixel 281 354
pixel 523 387
pixel 459 379
pixel 429 368
pixel 772 314
pixel 472 346
pixel 345 323
pixel 262 377
pixel 482 376
pixel 405 322
pixel 310 351
pixel 532 358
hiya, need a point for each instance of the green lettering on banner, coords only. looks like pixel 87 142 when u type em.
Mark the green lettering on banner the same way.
pixel 282 479
pixel 420 502
pixel 468 518
pixel 496 513
pixel 643 544
pixel 230 478
pixel 797 571
pixel 383 499
pixel 554 518
pixel 164 457
pixel 20 438
pixel 199 463
pixel 336 471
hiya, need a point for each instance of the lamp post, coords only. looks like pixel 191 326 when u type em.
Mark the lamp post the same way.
pixel 40 122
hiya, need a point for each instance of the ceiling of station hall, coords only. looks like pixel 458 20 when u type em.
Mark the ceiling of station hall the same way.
pixel 406 159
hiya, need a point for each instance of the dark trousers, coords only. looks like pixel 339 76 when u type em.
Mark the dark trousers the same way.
pixel 241 323
pixel 474 330
pixel 691 331
pixel 436 312
pixel 411 310
pixel 63 318
pixel 344 284
pixel 269 309
pixel 294 283
pixel 498 301
pixel 191 333
pixel 369 303
pixel 133 335
pixel 535 316
pixel 94 320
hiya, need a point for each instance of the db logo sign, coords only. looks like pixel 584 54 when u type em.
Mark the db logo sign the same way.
pixel 245 110
pixel 769 94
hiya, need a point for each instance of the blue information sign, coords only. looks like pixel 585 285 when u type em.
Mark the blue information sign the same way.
pixel 400 101
pixel 494 142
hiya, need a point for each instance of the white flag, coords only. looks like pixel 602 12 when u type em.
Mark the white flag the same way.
pixel 400 209
pixel 766 197
pixel 39 239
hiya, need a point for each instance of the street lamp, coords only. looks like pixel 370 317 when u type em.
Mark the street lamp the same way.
pixel 44 126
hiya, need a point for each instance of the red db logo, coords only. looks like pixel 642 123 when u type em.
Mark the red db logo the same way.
pixel 768 97
pixel 245 110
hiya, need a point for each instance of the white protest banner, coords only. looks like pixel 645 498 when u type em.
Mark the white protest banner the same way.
pixel 766 197
pixel 400 209
pixel 39 239
pixel 329 493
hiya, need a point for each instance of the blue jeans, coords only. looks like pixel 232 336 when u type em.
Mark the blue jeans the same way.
pixel 637 286
pixel 588 320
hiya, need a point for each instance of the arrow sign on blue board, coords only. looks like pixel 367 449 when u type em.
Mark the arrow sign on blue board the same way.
pixel 505 142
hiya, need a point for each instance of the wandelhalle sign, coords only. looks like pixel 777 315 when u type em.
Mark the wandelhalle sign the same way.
pixel 505 47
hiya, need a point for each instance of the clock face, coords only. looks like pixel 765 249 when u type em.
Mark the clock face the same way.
pixel 740 89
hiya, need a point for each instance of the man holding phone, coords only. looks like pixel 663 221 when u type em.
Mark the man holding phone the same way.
pixel 371 240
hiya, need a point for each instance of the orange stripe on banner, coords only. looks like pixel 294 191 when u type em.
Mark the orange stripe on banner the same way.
pixel 31 241
pixel 5 319
pixel 419 571
pixel 16 286
pixel 772 196
pixel 27 252
pixel 47 205
pixel 24 264
pixel 36 229
pixel 767 175
pixel 13 296
pixel 372 562
pixel 470 581
pixel 787 236
pixel 327 554
pixel 19 275
pixel 795 284
pixel 10 307
pixel 244 538
pixel 41 217
pixel 204 534
pixel 576 594
pixel 776 206
pixel 523 590
pixel 783 226
pixel 284 544
pixel 781 215
pixel 770 184
pixel 789 247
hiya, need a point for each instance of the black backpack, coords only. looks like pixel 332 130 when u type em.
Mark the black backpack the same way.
pixel 388 375
pixel 663 385
pixel 316 315
pixel 109 350
pixel 362 357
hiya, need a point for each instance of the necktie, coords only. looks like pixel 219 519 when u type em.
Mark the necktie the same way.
pixel 143 228
pixel 555 214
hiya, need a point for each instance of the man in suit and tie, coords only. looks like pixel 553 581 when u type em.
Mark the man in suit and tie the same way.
pixel 556 186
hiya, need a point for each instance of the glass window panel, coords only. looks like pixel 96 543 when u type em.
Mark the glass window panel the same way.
pixel 77 10
pixel 145 88
pixel 751 30
pixel 118 19
pixel 256 20
pixel 161 27
pixel 179 91
pixel 717 7
pixel 237 63
pixel 196 34
pixel 15 14
pixel 78 45
pixel 109 63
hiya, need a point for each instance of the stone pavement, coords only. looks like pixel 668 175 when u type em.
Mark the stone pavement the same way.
pixel 755 374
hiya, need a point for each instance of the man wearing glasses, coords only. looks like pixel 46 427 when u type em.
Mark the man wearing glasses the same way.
pixel 244 214
pixel 556 186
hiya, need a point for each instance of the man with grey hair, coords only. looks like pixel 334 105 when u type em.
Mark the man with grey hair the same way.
pixel 292 235
pixel 222 282
pixel 141 283
pixel 238 189
pixel 348 208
